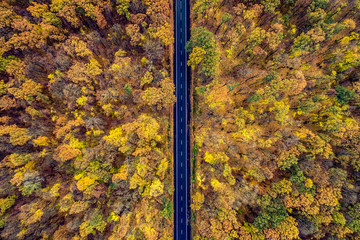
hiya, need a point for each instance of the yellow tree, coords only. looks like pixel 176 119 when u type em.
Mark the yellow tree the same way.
pixel 288 230
pixel 196 57
pixel 17 136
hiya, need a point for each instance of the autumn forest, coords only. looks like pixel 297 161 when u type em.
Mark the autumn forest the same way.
pixel 86 119
pixel 276 116
pixel 86 102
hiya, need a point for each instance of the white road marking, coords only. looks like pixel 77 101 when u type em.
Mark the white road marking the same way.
pixel 181 175
pixel 181 155
pixel 181 187
pixel 181 210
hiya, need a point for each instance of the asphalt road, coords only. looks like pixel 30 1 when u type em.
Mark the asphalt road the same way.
pixel 181 120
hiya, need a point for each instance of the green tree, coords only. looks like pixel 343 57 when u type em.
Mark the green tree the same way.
pixel 354 213
pixel 167 209
pixel 282 187
pixel 94 221
pixel 203 39
pixel 344 95
pixel 270 5
pixel 201 7
pixel 5 61
pixel 128 88
pixel 272 213
pixel 255 38
pixel 302 43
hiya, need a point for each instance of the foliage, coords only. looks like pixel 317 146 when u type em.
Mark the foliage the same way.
pixel 6 203
pixel 272 213
pixel 156 188
pixel 128 88
pixel 5 61
pixel 344 95
pixel 167 209
pixel 254 98
pixel 270 5
pixel 202 6
pixel 202 41
pixel 354 213
pixel 17 136
pixel 77 135
pixel 122 7
pixel 94 222
pixel 282 106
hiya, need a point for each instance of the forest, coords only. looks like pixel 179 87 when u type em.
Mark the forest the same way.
pixel 86 119
pixel 276 114
pixel 86 96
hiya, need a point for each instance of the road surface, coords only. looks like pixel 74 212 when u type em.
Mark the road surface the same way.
pixel 181 120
